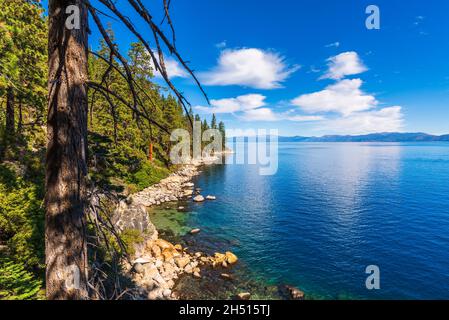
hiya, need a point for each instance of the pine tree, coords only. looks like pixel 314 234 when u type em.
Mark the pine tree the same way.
pixel 221 128
pixel 22 60
pixel 66 160
pixel 213 123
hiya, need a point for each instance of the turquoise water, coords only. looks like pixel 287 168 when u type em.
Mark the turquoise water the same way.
pixel 330 211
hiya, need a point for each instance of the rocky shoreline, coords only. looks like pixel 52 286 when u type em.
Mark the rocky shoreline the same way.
pixel 157 264
pixel 160 269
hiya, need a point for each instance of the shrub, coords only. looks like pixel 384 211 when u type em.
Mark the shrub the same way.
pixel 16 283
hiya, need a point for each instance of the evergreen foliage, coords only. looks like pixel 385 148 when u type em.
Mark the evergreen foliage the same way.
pixel 119 141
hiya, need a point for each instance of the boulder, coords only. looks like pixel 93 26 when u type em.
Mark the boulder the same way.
pixel 244 296
pixel 166 293
pixel 219 258
pixel 163 244
pixel 142 260
pixel 155 294
pixel 138 268
pixel 134 217
pixel 198 198
pixel 295 293
pixel 156 250
pixel 158 263
pixel 188 269
pixel 182 261
pixel 167 254
pixel 231 258
pixel 226 276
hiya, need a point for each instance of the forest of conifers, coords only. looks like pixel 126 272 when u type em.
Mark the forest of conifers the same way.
pixel 119 138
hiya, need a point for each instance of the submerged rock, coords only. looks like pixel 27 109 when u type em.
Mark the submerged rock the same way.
pixel 198 198
pixel 244 296
pixel 294 293
pixel 226 276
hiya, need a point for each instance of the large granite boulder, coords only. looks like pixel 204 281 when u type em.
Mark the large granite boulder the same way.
pixel 134 217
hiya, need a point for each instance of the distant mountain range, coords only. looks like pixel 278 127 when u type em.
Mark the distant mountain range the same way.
pixel 374 137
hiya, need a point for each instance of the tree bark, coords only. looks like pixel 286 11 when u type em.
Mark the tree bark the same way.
pixel 10 117
pixel 66 159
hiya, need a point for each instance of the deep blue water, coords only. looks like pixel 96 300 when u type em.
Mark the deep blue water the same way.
pixel 331 210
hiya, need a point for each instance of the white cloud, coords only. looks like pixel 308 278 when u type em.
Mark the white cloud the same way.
pixel 231 105
pixel 344 64
pixel 262 114
pixel 344 97
pixel 249 67
pixel 305 118
pixel 334 44
pixel 173 67
pixel 252 107
pixel 384 120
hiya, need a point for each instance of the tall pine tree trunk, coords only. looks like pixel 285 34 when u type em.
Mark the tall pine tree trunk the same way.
pixel 10 118
pixel 66 167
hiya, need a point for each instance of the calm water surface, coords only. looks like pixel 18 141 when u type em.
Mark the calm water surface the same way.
pixel 333 209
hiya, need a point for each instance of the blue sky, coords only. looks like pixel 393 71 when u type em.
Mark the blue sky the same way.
pixel 312 67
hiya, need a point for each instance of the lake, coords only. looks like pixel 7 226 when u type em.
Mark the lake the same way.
pixel 331 210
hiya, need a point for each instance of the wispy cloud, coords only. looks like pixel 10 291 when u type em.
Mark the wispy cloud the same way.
pixel 418 20
pixel 249 67
pixel 252 107
pixel 221 45
pixel 333 45
pixel 344 64
pixel 232 105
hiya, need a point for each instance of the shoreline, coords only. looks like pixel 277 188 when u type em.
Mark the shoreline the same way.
pixel 180 269
pixel 157 265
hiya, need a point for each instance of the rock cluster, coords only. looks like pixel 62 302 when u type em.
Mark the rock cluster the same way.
pixel 172 188
pixel 162 263
pixel 158 263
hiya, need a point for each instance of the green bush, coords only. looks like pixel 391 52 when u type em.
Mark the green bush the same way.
pixel 16 283
pixel 130 237
pixel 147 175
pixel 21 218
